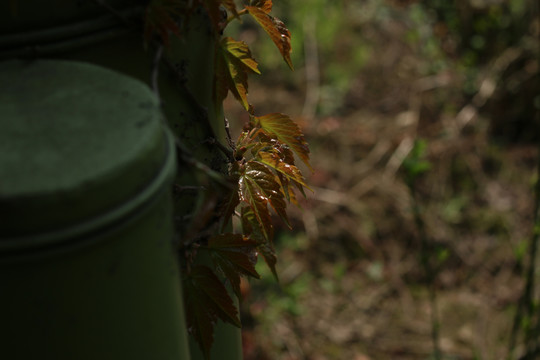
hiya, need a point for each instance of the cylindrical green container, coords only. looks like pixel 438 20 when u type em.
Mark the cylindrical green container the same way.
pixel 89 31
pixel 87 267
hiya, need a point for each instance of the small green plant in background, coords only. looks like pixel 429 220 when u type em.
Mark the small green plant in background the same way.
pixel 416 164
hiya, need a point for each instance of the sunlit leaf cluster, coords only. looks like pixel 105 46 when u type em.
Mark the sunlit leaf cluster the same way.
pixel 263 176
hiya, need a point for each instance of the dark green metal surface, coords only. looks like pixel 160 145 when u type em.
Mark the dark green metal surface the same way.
pixel 24 16
pixel 87 269
pixel 86 31
pixel 76 141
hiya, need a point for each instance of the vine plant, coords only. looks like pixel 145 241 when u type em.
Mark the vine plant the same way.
pixel 262 175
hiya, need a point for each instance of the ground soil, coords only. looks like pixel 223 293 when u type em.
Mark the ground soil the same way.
pixel 352 283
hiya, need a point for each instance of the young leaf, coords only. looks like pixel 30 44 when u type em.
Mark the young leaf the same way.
pixel 279 157
pixel 258 187
pixel 264 5
pixel 159 16
pixel 287 131
pixel 217 17
pixel 206 300
pixel 275 28
pixel 231 6
pixel 234 255
pixel 269 255
pixel 252 228
pixel 257 203
pixel 203 279
pixel 287 190
pixel 200 321
pixel 233 62
pixel 238 51
pixel 273 160
pixel 226 208
pixel 249 220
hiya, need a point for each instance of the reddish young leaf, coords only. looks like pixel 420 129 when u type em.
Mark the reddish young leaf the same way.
pixel 286 155
pixel 226 208
pixel 208 284
pixel 238 51
pixel 227 242
pixel 233 62
pixel 287 190
pixel 206 300
pixel 252 228
pixel 275 28
pixel 286 179
pixel 269 255
pixel 286 131
pixel 230 77
pixel 237 244
pixel 258 203
pixel 159 16
pixel 217 17
pixel 258 187
pixel 234 255
pixel 273 160
pixel 200 321
pixel 231 6
pixel 264 5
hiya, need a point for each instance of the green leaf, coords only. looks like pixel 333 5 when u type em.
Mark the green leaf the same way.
pixel 286 131
pixel 259 188
pixel 234 255
pixel 206 300
pixel 233 62
pixel 415 163
pixel 275 28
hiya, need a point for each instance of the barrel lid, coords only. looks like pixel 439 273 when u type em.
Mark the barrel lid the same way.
pixel 76 141
pixel 29 15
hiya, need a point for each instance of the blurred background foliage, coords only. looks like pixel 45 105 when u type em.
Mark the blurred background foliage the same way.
pixel 442 92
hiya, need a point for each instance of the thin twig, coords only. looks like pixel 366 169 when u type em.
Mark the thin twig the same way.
pixel 225 150
pixel 114 12
pixel 181 188
pixel 155 71
pixel 228 132
pixel 240 13
pixel 399 155
pixel 186 156
pixel 487 87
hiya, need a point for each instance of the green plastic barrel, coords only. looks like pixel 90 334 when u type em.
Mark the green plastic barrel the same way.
pixel 87 265
pixel 109 34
